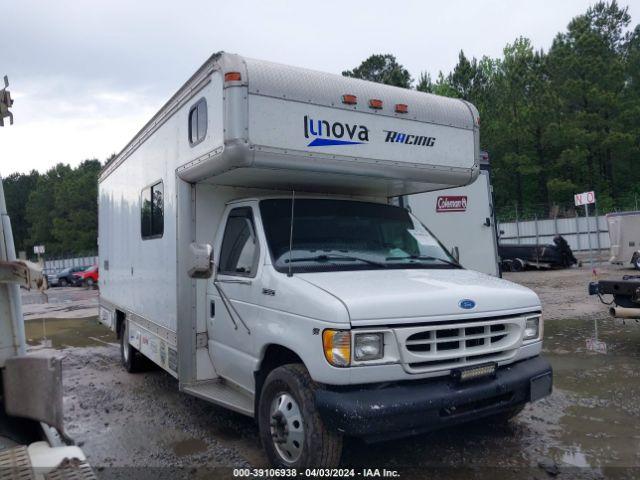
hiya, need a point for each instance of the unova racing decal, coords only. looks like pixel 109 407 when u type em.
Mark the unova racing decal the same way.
pixel 451 203
pixel 325 133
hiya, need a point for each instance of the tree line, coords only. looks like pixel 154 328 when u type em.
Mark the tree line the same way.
pixel 554 122
pixel 57 209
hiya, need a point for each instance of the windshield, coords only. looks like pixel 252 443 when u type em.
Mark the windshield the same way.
pixel 348 235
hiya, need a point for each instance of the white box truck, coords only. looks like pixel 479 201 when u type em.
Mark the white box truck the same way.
pixel 624 238
pixel 248 246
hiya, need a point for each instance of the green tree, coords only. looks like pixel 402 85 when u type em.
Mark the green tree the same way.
pixel 382 69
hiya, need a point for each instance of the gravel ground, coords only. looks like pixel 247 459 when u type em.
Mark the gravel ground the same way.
pixel 588 428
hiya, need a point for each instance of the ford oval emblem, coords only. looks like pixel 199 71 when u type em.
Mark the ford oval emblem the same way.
pixel 466 303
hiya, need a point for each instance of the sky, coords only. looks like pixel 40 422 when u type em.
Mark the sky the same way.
pixel 87 75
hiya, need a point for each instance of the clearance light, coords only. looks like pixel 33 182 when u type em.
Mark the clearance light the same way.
pixel 402 108
pixel 375 103
pixel 348 99
pixel 232 77
pixel 337 347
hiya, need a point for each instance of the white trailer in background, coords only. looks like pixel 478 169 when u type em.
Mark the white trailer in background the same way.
pixel 463 218
pixel 624 238
pixel 248 246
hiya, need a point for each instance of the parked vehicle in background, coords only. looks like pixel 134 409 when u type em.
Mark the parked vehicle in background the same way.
pixel 87 278
pixel 624 238
pixel 515 257
pixel 264 264
pixel 65 277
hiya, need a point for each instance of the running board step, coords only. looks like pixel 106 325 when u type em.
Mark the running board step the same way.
pixel 221 393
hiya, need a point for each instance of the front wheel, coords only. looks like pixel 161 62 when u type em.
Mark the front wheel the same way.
pixel 63 282
pixel 89 282
pixel 291 429
pixel 636 262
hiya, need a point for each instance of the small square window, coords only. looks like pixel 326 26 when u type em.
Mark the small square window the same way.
pixel 198 122
pixel 152 211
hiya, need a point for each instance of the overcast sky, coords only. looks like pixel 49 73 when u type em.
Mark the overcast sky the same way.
pixel 86 76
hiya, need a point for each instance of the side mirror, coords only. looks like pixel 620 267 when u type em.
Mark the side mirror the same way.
pixel 455 253
pixel 201 260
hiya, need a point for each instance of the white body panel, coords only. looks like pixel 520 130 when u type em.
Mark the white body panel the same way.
pixel 255 145
pixel 471 230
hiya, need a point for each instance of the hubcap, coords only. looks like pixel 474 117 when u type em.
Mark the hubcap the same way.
pixel 286 427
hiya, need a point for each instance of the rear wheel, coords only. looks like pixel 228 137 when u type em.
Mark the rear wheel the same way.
pixel 63 282
pixel 129 355
pixel 636 262
pixel 291 429
pixel 89 282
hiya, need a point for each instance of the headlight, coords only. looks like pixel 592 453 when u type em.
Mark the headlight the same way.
pixel 533 328
pixel 337 347
pixel 368 346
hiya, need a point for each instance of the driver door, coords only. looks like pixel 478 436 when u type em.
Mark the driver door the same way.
pixel 232 311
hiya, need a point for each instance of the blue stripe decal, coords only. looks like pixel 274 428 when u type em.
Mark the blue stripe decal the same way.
pixel 325 142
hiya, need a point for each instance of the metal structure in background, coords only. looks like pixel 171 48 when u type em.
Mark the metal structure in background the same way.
pixel 573 229
pixel 6 102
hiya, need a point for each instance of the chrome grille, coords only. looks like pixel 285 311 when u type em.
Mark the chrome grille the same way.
pixel 450 345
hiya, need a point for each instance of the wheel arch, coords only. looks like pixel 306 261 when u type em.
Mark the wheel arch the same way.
pixel 274 356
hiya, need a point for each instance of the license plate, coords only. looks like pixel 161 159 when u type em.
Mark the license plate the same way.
pixel 541 386
pixel 475 372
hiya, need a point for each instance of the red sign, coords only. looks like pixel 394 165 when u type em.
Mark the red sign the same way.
pixel 453 203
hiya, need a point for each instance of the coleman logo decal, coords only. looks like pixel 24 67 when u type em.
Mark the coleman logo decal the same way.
pixel 324 133
pixel 457 203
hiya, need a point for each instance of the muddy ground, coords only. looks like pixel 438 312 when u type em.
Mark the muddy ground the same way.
pixel 141 425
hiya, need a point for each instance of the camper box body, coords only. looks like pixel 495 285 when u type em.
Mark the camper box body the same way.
pixel 243 131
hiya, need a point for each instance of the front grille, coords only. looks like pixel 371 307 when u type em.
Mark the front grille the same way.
pixel 455 344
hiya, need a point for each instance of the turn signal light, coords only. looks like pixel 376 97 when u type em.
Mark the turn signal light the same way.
pixel 375 103
pixel 402 108
pixel 348 99
pixel 337 347
pixel 232 77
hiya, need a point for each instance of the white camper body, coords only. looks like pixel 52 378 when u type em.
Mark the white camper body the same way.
pixel 467 209
pixel 261 165
pixel 624 237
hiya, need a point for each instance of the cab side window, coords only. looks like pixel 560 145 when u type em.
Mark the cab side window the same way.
pixel 240 251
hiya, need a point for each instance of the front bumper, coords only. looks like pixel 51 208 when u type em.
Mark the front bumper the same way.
pixel 419 406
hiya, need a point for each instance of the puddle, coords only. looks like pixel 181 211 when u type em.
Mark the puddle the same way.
pixel 600 427
pixel 74 332
pixel 188 447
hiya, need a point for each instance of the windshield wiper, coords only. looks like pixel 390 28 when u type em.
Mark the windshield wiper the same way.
pixel 426 257
pixel 333 256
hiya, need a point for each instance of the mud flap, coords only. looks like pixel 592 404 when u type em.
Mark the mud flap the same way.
pixel 33 389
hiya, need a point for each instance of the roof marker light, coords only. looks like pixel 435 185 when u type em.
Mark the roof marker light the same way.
pixel 402 108
pixel 232 77
pixel 375 103
pixel 349 99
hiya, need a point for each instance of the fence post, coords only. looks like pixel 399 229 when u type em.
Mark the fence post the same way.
pixel 577 231
pixel 595 205
pixel 517 225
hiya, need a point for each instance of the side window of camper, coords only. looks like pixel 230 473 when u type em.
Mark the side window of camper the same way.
pixel 197 122
pixel 240 251
pixel 152 211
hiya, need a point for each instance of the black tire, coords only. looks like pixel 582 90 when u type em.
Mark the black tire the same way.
pixel 517 265
pixel 129 356
pixel 89 283
pixel 321 447
pixel 506 265
pixel 63 282
pixel 636 262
